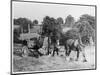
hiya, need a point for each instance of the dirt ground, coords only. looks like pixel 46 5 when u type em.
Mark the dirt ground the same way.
pixel 49 63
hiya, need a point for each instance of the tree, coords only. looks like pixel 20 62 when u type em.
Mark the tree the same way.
pixel 59 25
pixel 90 19
pixel 50 29
pixel 48 25
pixel 60 20
pixel 23 22
pixel 86 25
pixel 35 22
pixel 69 21
pixel 85 30
pixel 16 22
pixel 16 35
pixel 72 34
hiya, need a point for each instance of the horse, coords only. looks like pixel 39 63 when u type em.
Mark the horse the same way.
pixel 75 45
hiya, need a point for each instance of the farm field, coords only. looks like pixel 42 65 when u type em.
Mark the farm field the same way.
pixel 49 63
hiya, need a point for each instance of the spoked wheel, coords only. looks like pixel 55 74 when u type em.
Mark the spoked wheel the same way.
pixel 25 51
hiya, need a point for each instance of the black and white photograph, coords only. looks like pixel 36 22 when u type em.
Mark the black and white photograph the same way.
pixel 52 37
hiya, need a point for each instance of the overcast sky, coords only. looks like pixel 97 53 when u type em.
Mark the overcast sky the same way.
pixel 39 10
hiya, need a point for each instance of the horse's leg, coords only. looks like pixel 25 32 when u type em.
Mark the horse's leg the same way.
pixel 57 51
pixel 83 54
pixel 77 54
pixel 53 52
pixel 84 58
pixel 67 50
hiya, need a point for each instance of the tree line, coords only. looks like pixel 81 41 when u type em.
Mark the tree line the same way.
pixel 85 27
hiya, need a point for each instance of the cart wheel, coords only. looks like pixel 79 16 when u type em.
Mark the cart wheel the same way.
pixel 25 51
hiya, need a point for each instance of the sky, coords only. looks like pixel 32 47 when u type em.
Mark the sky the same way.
pixel 38 11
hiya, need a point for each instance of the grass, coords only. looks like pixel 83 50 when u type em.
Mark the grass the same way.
pixel 24 64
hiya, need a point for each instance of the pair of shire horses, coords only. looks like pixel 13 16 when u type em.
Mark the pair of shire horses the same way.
pixel 69 44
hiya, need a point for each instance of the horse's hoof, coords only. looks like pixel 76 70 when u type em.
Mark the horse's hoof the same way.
pixel 71 59
pixel 85 60
pixel 76 59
